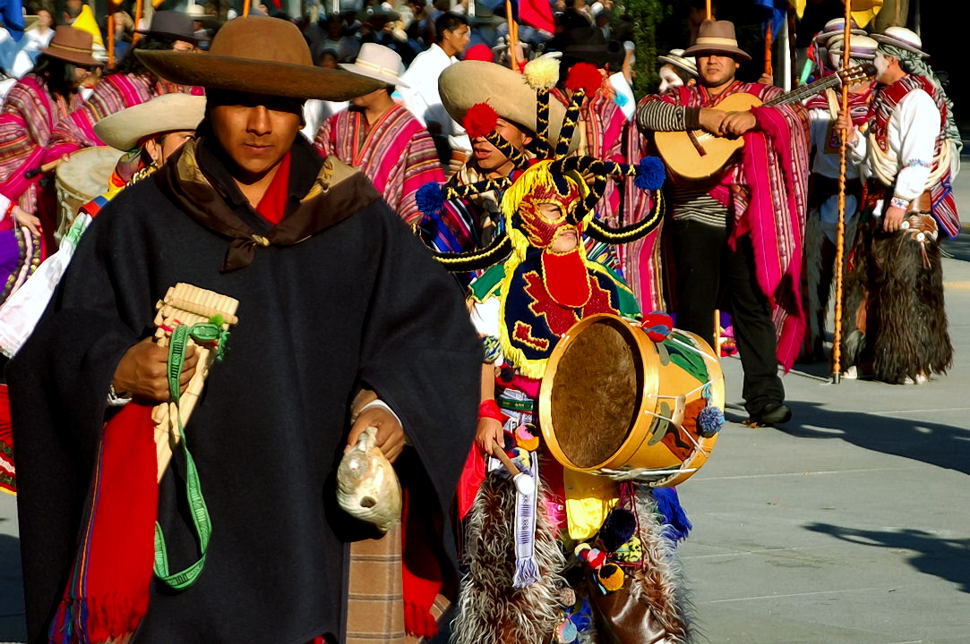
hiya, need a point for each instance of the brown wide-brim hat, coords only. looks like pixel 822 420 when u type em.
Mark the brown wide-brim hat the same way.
pixel 471 82
pixel 72 45
pixel 166 113
pixel 258 55
pixel 716 37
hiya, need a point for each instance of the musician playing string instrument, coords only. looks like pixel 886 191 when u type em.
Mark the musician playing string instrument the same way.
pixel 739 230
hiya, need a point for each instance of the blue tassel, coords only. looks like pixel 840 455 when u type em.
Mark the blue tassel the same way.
pixel 583 617
pixel 679 526
pixel 430 198
pixel 710 421
pixel 650 174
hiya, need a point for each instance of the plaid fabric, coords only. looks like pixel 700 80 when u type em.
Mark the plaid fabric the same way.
pixel 640 261
pixel 26 121
pixel 8 477
pixel 375 597
pixel 396 153
pixel 112 94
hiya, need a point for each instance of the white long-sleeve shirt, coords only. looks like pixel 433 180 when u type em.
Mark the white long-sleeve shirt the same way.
pixel 421 96
pixel 912 132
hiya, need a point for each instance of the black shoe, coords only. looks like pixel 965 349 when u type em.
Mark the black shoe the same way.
pixel 772 415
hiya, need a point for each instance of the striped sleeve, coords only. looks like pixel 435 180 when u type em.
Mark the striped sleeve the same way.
pixel 661 116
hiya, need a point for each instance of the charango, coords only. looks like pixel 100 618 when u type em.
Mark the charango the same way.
pixel 367 486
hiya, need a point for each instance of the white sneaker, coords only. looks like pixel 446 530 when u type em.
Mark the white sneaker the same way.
pixel 852 373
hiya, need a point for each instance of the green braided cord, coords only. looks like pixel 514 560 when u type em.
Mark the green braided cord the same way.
pixel 204 333
pixel 624 234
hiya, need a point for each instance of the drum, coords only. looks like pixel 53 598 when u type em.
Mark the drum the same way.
pixel 613 402
pixel 80 179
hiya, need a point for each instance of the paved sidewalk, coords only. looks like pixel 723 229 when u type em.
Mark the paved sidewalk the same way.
pixel 852 522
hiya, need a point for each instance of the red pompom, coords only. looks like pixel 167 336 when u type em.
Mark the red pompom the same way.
pixel 480 120
pixel 584 76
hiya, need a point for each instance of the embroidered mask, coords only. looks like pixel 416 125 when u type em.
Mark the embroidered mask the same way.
pixel 537 227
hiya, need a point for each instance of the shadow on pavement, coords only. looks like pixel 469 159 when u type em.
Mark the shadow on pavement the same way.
pixel 947 559
pixel 958 248
pixel 933 443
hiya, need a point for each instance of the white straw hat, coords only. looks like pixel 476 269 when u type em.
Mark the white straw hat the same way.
pixel 677 59
pixel 378 62
pixel 167 113
pixel 901 37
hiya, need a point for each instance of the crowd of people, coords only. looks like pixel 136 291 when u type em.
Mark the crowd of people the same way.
pixel 410 227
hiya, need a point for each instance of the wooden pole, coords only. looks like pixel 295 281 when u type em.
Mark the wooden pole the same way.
pixel 710 14
pixel 111 38
pixel 840 230
pixel 246 4
pixel 513 35
pixel 138 13
pixel 768 42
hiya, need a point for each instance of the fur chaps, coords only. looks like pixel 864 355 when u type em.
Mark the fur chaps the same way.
pixel 895 324
pixel 653 607
pixel 490 609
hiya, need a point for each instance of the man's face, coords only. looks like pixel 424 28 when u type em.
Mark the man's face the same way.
pixel 487 156
pixel 365 101
pixel 456 41
pixel 255 131
pixel 81 74
pixel 716 69
pixel 185 47
pixel 884 66
pixel 45 19
pixel 163 145
pixel 668 79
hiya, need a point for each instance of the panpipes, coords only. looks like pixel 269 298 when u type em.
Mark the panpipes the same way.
pixel 186 304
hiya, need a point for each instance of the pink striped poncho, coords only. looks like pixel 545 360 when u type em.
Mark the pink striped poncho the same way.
pixel 396 153
pixel 767 194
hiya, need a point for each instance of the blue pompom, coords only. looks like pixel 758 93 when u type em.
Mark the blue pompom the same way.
pixel 710 421
pixel 430 198
pixel 619 526
pixel 650 174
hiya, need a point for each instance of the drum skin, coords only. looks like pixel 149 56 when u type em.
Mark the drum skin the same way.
pixel 607 390
pixel 80 179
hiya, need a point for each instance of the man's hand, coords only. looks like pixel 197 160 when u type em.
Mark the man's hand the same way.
pixel 143 371
pixel 711 120
pixel 489 431
pixel 844 123
pixel 738 123
pixel 390 434
pixel 24 218
pixel 893 218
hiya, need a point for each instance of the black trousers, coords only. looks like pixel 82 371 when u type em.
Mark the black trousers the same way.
pixel 707 269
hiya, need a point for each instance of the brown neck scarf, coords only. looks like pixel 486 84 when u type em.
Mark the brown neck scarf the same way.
pixel 196 179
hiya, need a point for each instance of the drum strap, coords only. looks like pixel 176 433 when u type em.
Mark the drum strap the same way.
pixel 204 333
